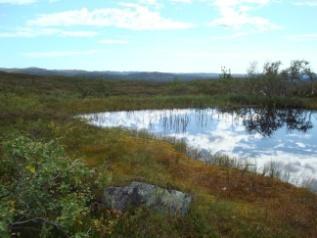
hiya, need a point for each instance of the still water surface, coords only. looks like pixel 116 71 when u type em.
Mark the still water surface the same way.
pixel 258 137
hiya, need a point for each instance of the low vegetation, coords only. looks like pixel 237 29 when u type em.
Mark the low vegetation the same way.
pixel 53 167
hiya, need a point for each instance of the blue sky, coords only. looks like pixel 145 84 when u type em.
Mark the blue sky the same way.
pixel 156 35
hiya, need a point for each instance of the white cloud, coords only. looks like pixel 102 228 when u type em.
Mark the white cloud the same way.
pixel 181 1
pixel 58 54
pixel 17 2
pixel 113 42
pixel 310 3
pixel 149 2
pixel 24 2
pixel 28 32
pixel 128 16
pixel 236 14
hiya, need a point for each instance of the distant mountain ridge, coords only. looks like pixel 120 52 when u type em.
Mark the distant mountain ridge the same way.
pixel 154 76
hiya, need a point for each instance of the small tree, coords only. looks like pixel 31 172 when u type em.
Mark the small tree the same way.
pixel 225 73
pixel 272 85
pixel 297 69
pixel 272 69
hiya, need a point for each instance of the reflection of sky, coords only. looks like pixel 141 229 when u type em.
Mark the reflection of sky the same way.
pixel 294 152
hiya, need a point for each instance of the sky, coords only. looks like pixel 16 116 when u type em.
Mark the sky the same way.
pixel 156 35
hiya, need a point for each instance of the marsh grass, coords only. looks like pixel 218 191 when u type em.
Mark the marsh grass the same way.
pixel 227 201
pixel 145 158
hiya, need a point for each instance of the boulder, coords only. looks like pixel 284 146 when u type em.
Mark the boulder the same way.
pixel 142 194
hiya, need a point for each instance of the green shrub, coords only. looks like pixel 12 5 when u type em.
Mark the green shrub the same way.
pixel 43 192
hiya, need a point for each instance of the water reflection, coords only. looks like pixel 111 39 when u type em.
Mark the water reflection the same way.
pixel 266 121
pixel 260 136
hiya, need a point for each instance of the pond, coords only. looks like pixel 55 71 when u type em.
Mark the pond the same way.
pixel 263 138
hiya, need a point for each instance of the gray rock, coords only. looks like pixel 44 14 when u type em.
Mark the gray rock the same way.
pixel 152 196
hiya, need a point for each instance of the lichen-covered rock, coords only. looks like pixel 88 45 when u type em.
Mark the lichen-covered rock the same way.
pixel 152 196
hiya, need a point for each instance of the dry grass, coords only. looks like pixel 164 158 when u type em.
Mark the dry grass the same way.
pixel 279 207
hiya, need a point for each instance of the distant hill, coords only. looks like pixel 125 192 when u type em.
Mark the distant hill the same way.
pixel 154 76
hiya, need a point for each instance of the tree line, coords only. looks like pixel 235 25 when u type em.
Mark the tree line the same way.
pixel 272 80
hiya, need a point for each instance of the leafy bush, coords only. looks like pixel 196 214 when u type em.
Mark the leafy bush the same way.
pixel 42 192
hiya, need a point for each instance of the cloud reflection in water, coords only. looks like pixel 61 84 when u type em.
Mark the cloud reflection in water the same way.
pixel 260 136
